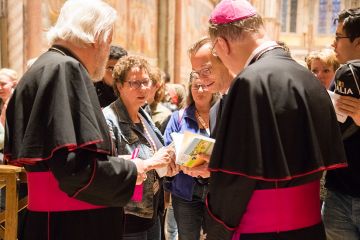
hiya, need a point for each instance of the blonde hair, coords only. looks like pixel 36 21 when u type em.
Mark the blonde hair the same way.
pixel 10 73
pixel 327 56
pixel 83 22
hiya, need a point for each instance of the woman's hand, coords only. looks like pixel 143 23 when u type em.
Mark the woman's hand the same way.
pixel 350 106
pixel 162 158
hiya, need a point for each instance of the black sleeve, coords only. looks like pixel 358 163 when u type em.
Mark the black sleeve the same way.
pixel 93 177
pixel 226 201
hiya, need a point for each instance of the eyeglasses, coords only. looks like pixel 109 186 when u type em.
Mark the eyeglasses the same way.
pixel 213 51
pixel 110 68
pixel 337 38
pixel 197 87
pixel 203 73
pixel 138 83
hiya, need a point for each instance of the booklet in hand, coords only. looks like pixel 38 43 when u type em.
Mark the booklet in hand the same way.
pixel 189 145
pixel 341 117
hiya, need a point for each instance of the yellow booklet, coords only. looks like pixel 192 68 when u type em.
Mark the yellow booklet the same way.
pixel 189 145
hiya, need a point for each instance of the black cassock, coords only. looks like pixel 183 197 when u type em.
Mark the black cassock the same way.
pixel 56 130
pixel 277 133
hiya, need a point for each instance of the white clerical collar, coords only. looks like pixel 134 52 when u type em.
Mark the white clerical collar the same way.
pixel 259 49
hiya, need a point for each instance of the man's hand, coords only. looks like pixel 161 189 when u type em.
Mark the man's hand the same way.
pixel 172 170
pixel 199 171
pixel 350 106
pixel 141 170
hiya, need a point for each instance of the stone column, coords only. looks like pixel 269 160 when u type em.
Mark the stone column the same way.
pixel 33 26
pixel 15 21
pixel 3 34
pixel 177 44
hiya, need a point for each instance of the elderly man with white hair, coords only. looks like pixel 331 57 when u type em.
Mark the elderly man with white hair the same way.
pixel 56 130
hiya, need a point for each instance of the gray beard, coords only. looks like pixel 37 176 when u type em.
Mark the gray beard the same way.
pixel 100 71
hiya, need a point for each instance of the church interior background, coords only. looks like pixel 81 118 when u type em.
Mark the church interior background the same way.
pixel 162 30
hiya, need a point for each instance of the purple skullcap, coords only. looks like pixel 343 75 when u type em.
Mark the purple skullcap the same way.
pixel 228 11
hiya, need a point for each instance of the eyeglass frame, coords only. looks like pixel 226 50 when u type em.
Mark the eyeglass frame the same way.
pixel 140 83
pixel 337 38
pixel 200 73
pixel 198 86
pixel 110 68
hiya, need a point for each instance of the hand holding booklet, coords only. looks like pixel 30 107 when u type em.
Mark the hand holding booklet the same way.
pixel 189 145
pixel 341 117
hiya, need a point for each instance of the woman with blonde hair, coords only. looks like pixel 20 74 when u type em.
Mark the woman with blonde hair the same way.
pixel 8 81
pixel 323 64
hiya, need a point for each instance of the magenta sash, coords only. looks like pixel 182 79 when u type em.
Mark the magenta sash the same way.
pixel 138 190
pixel 281 210
pixel 46 196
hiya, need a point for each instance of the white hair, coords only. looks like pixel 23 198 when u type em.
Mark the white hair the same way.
pixel 83 22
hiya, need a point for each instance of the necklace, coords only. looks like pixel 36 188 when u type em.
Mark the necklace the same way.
pixel 150 139
pixel 58 50
pixel 202 122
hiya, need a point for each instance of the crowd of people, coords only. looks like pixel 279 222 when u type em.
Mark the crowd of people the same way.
pixel 92 125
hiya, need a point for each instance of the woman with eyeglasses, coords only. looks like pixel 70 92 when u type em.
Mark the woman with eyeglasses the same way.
pixel 134 133
pixel 187 192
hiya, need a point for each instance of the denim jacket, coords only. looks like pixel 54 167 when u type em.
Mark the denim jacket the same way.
pixel 127 138
pixel 183 185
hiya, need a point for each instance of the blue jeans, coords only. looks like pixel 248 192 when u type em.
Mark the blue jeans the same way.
pixel 171 230
pixel 153 233
pixel 189 215
pixel 341 216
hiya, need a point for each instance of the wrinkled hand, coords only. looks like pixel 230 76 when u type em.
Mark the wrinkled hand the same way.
pixel 350 106
pixel 141 170
pixel 162 158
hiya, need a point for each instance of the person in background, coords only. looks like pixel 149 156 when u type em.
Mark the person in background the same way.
pixel 104 87
pixel 213 74
pixel 259 168
pixel 284 45
pixel 188 192
pixel 132 129
pixel 174 99
pixel 56 130
pixel 175 96
pixel 341 208
pixel 8 82
pixel 158 112
pixel 323 64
